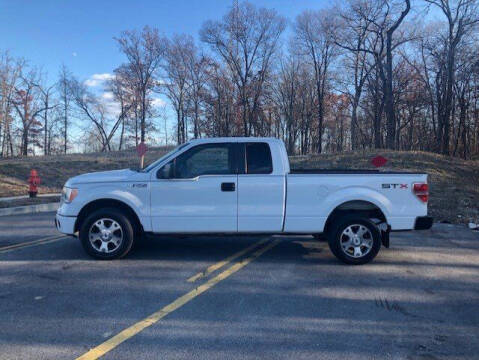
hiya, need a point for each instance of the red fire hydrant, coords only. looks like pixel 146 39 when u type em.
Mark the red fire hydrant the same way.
pixel 34 181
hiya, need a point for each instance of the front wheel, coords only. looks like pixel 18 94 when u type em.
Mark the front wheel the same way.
pixel 107 234
pixel 354 240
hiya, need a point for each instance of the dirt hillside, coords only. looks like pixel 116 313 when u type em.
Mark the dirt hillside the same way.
pixel 454 182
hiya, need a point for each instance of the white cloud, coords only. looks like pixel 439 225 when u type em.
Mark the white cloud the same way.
pixel 158 102
pixel 107 95
pixel 110 105
pixel 98 79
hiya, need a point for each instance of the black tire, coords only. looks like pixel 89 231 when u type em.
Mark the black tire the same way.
pixel 127 238
pixel 335 238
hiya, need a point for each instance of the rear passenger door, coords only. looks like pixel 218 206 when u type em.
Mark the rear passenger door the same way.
pixel 261 193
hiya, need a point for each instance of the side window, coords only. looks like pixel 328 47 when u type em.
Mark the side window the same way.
pixel 209 159
pixel 258 159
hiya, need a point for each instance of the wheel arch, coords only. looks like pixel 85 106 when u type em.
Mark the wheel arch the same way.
pixel 106 203
pixel 360 207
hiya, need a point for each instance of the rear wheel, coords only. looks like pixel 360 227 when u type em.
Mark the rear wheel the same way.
pixel 107 234
pixel 354 240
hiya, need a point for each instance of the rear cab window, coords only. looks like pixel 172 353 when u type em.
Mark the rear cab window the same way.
pixel 258 159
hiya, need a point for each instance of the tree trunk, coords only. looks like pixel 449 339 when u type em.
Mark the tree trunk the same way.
pixel 178 126
pixel 354 124
pixel 143 116
pixel 245 122
pixel 388 90
pixel 25 142
pixel 320 115
pixel 122 133
pixel 45 128
pixel 65 115
pixel 196 125
pixel 446 121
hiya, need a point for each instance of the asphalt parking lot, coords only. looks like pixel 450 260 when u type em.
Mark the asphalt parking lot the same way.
pixel 247 297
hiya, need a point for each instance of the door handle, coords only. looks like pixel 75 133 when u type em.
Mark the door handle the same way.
pixel 231 186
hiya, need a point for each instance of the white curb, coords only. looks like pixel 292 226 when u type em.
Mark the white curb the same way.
pixel 29 209
pixel 10 198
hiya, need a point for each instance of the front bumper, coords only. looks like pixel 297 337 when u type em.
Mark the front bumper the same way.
pixel 65 224
pixel 423 223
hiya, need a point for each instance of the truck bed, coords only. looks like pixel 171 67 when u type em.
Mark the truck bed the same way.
pixel 312 194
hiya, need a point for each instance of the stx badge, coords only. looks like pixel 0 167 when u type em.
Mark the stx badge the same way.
pixel 394 186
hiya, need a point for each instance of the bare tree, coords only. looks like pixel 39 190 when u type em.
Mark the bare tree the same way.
pixel 314 37
pixel 462 17
pixel 28 104
pixel 92 107
pixel 46 98
pixel 123 90
pixel 144 52
pixel 285 92
pixel 382 24
pixel 198 66
pixel 388 89
pixel 10 70
pixel 221 117
pixel 178 78
pixel 356 21
pixel 246 39
pixel 65 99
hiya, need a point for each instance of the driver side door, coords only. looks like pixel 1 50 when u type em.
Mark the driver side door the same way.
pixel 197 191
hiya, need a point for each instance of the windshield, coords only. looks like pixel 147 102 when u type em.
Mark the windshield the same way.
pixel 155 163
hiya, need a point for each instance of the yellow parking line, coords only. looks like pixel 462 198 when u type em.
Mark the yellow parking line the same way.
pixel 222 263
pixel 31 243
pixel 131 331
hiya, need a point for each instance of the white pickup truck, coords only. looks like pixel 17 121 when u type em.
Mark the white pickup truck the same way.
pixel 241 185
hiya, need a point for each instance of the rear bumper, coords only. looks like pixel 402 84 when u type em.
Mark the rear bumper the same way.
pixel 65 224
pixel 423 223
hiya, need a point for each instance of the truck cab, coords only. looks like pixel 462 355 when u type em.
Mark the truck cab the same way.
pixel 221 186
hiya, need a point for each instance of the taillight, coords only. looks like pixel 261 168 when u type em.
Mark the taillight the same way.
pixel 421 190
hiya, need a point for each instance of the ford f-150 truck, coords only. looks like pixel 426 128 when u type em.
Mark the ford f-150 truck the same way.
pixel 241 185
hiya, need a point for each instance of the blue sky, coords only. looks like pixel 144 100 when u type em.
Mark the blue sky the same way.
pixel 80 33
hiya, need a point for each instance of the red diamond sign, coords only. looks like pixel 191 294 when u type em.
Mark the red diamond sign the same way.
pixel 379 161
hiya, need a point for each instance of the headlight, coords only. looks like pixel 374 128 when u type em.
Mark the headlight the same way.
pixel 69 194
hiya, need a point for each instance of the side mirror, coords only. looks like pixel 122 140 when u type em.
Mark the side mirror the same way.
pixel 166 172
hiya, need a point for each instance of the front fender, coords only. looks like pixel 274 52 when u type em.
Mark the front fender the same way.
pixel 136 198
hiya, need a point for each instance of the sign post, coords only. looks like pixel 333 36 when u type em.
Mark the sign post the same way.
pixel 141 150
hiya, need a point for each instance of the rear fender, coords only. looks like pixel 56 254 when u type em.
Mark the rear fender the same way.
pixel 334 200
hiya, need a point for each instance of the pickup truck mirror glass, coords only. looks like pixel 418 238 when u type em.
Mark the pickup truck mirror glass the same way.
pixel 166 172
